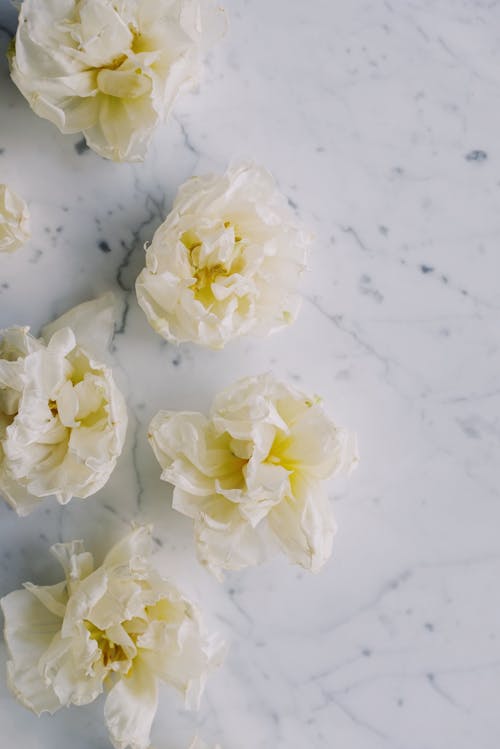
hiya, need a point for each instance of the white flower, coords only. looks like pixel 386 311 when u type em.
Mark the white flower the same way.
pixel 226 262
pixel 252 473
pixel 14 220
pixel 62 418
pixel 120 626
pixel 110 68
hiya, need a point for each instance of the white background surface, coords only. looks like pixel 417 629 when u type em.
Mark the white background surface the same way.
pixel 368 114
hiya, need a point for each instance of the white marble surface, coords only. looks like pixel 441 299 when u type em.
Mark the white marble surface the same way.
pixel 380 120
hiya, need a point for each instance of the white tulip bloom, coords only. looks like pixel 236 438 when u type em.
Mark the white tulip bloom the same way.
pixel 121 627
pixel 252 473
pixel 226 262
pixel 62 418
pixel 110 68
pixel 14 220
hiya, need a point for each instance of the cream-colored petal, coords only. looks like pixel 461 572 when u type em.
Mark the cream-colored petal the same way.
pixel 131 550
pixel 304 526
pixel 18 497
pixel 124 128
pixel 53 597
pixel 29 629
pixel 191 456
pixel 92 323
pixel 14 220
pixel 186 665
pixel 224 538
pixel 72 667
pixel 130 708
pixel 75 561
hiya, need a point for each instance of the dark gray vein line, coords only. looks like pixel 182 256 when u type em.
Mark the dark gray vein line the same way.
pixel 350 230
pixel 135 461
pixel 331 699
pixel 431 680
pixel 185 135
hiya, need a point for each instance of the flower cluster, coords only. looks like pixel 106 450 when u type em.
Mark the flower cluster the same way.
pixel 110 69
pixel 62 418
pixel 252 473
pixel 14 220
pixel 226 262
pixel 119 626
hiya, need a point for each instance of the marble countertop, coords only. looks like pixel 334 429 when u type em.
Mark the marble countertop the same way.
pixel 380 121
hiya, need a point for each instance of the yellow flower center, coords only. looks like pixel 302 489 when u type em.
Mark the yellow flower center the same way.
pixel 122 81
pixel 205 275
pixel 114 64
pixel 53 408
pixel 110 651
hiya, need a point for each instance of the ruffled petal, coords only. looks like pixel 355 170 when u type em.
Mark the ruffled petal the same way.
pixel 186 661
pixel 130 708
pixel 225 540
pixel 190 455
pixel 14 220
pixel 318 446
pixel 92 323
pixel 29 629
pixel 75 561
pixel 304 526
pixel 72 667
pixel 133 550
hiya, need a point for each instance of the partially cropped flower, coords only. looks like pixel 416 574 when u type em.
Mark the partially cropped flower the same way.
pixel 226 262
pixel 110 68
pixel 121 627
pixel 62 418
pixel 252 473
pixel 14 220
